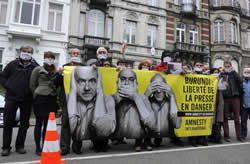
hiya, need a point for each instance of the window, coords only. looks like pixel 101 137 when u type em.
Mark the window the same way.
pixel 248 39
pixel 110 28
pixel 218 63
pixel 152 2
pixel 233 32
pixel 235 65
pixel 130 32
pixel 233 3
pixel 3 11
pixel 1 55
pixel 27 12
pixel 198 4
pixel 216 3
pixel 218 31
pixel 82 24
pixel 96 23
pixel 194 37
pixel 180 32
pixel 176 2
pixel 248 7
pixel 152 34
pixel 55 17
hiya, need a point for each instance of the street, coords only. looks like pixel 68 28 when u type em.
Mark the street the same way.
pixel 226 153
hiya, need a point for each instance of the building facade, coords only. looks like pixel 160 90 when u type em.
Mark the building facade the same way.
pixel 230 33
pixel 41 24
pixel 108 23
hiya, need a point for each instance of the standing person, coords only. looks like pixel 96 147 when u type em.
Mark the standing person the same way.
pixel 165 59
pixel 202 140
pixel 145 64
pixel 65 139
pixel 219 109
pixel 245 111
pixel 121 63
pixel 43 84
pixel 15 79
pixel 232 99
pixel 102 55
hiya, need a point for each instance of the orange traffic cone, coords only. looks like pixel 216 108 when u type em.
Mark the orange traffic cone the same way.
pixel 51 151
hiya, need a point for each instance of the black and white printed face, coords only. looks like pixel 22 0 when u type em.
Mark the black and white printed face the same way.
pixel 159 94
pixel 86 83
pixel 127 79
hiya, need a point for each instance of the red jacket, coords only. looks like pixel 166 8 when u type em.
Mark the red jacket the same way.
pixel 160 67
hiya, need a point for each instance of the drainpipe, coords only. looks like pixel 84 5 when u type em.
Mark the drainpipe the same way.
pixel 209 16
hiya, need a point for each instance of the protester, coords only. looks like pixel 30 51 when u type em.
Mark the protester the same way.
pixel 102 55
pixel 205 69
pixel 163 66
pixel 195 140
pixel 65 139
pixel 219 109
pixel 106 63
pixel 245 111
pixel 145 64
pixel 15 79
pixel 43 84
pixel 121 63
pixel 232 96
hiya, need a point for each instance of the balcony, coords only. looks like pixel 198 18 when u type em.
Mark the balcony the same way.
pixel 225 5
pixel 99 2
pixel 188 9
pixel 191 48
pixel 94 41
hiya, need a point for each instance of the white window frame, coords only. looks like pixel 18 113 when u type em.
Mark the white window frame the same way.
pixel 152 33
pixel 33 11
pixel 233 27
pixel 218 24
pixel 5 18
pixel 182 30
pixel 55 13
pixel 248 39
pixel 82 24
pixel 198 4
pixel 110 28
pixel 176 2
pixel 217 3
pixel 248 7
pixel 153 2
pixel 96 22
pixel 194 33
pixel 1 55
pixel 130 32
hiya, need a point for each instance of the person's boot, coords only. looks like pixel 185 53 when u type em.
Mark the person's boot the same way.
pixel 76 147
pixel 20 150
pixel 157 142
pixel 5 152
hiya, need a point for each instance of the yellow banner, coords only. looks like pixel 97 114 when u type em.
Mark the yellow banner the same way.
pixel 195 96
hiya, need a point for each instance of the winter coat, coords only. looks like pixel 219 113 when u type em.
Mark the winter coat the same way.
pixel 246 93
pixel 234 88
pixel 15 78
pixel 41 83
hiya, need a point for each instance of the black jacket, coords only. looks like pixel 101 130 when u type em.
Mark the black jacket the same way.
pixel 235 84
pixel 15 79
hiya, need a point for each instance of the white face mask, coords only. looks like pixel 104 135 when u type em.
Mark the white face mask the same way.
pixel 25 56
pixel 75 59
pixel 228 70
pixel 145 69
pixel 49 62
pixel 246 75
pixel 215 74
pixel 197 69
pixel 102 57
pixel 166 59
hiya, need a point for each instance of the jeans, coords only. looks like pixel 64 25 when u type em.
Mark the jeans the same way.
pixel 245 112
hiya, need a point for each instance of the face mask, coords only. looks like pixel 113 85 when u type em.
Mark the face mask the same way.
pixel 215 74
pixel 246 75
pixel 166 59
pixel 206 72
pixel 228 70
pixel 145 69
pixel 197 69
pixel 25 56
pixel 49 62
pixel 102 57
pixel 76 59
